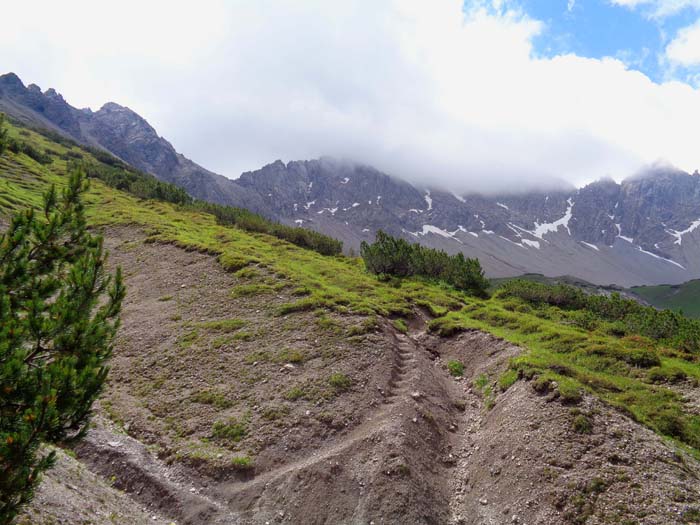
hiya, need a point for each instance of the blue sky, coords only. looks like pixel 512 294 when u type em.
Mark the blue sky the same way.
pixel 634 31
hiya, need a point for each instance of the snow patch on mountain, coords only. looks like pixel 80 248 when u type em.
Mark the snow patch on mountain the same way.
pixel 679 234
pixel 620 236
pixel 429 228
pixel 662 258
pixel 593 246
pixel 512 242
pixel 428 199
pixel 542 229
pixel 533 244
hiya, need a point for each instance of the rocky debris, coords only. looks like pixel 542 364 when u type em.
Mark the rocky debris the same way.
pixel 524 458
pixel 357 457
pixel 70 493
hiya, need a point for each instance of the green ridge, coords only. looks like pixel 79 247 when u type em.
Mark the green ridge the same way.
pixel 678 297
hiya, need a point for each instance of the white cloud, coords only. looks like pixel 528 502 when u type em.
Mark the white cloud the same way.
pixel 685 48
pixel 429 92
pixel 659 8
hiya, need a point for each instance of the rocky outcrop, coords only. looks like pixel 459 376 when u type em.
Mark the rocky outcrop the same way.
pixel 645 230
pixel 121 132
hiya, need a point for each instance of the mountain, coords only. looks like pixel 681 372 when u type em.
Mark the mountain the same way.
pixel 645 230
pixel 255 381
pixel 119 131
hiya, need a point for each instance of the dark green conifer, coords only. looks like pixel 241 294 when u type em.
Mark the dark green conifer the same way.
pixel 59 312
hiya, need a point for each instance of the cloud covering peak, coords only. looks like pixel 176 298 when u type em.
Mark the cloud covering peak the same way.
pixel 439 92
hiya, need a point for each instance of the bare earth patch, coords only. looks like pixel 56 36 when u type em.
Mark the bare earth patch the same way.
pixel 220 409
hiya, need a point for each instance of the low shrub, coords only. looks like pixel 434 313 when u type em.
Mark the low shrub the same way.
pixel 456 368
pixel 230 430
pixel 666 375
pixel 582 424
pixel 339 381
pixel 396 257
pixel 209 397
pixel 400 325
pixel 242 463
pixel 294 393
pixel 507 379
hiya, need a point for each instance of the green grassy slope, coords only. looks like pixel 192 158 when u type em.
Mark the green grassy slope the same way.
pixel 543 279
pixel 566 352
pixel 679 297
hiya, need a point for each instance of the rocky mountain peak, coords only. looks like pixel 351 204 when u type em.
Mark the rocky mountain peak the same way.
pixel 113 106
pixel 124 122
pixel 53 94
pixel 643 230
pixel 11 83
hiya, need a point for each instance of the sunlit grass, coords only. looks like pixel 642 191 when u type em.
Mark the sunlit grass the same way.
pixel 632 374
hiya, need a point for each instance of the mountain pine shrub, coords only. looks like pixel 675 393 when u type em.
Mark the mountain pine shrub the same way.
pixel 59 312
pixel 625 316
pixel 393 256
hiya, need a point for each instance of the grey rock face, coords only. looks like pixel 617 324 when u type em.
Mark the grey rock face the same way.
pixel 118 130
pixel 645 230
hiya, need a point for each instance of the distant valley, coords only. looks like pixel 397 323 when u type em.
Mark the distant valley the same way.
pixel 683 297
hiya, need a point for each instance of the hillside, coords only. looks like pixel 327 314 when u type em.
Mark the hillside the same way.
pixel 683 297
pixel 643 230
pixel 257 381
pixel 118 130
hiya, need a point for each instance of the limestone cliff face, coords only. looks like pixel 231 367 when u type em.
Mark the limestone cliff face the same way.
pixel 645 230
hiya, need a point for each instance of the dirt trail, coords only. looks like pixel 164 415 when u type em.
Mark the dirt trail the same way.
pixel 418 460
pixel 376 453
pixel 406 444
pixel 404 372
pixel 354 451
pixel 388 420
